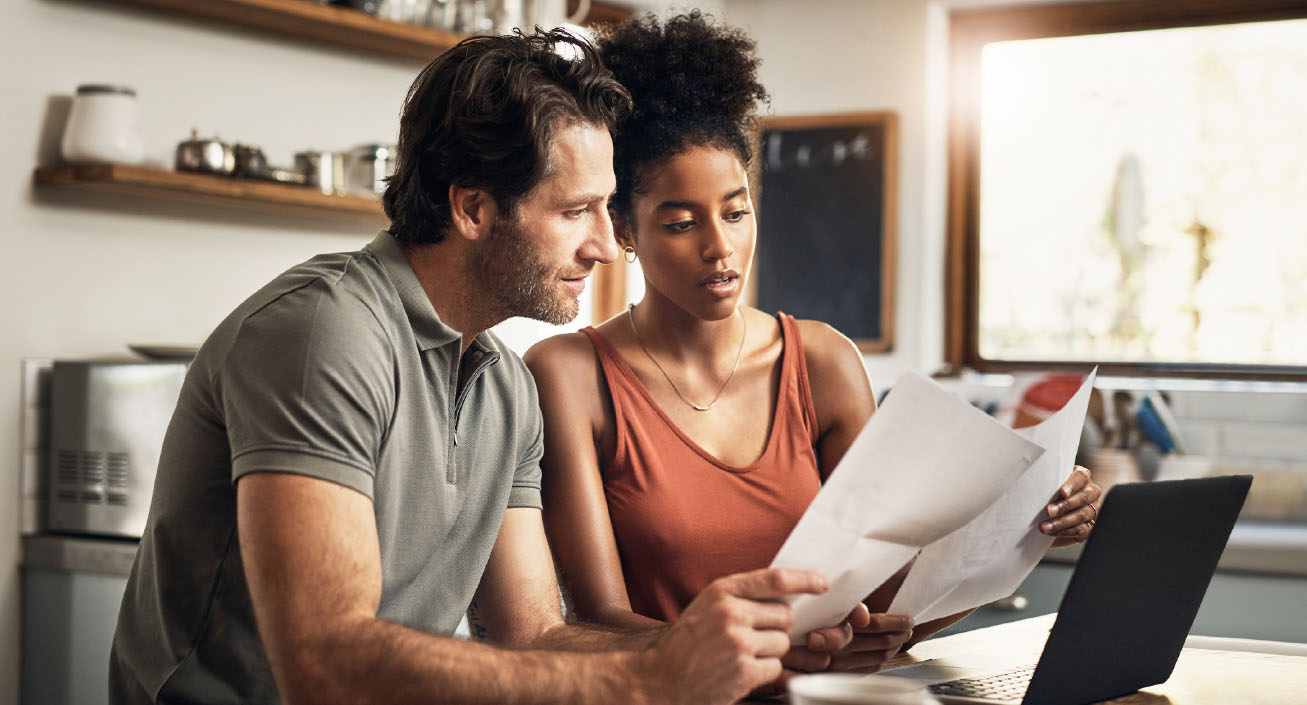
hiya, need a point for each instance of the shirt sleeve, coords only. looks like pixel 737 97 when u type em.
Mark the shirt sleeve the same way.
pixel 308 388
pixel 526 478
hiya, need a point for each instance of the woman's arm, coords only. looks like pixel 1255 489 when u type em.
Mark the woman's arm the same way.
pixel 844 401
pixel 578 418
pixel 841 391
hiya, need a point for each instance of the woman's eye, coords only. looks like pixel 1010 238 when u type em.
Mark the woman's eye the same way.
pixel 736 216
pixel 679 227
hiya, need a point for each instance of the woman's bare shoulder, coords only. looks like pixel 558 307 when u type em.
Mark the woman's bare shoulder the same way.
pixel 566 354
pixel 827 351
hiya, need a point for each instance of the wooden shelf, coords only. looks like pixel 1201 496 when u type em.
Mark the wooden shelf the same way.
pixel 304 19
pixel 341 26
pixel 209 190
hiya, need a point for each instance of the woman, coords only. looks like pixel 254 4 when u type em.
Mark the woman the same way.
pixel 685 437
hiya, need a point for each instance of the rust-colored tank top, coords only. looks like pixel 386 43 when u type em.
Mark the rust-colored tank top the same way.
pixel 681 517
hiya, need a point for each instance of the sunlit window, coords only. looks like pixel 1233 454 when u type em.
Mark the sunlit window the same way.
pixel 1143 196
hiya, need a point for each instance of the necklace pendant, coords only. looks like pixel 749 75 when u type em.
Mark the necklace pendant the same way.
pixel 696 407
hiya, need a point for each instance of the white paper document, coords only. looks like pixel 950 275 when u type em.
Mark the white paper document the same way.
pixel 989 557
pixel 924 465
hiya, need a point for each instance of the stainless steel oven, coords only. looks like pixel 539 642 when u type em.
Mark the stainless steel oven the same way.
pixel 107 421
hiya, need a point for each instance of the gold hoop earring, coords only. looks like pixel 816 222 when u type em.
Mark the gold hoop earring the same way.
pixel 629 254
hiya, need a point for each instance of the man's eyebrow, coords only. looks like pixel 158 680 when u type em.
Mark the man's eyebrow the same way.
pixel 587 198
pixel 687 205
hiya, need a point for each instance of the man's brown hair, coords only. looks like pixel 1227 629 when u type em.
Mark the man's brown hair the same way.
pixel 483 114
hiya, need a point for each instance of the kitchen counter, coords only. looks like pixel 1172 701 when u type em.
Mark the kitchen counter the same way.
pixel 1278 549
pixel 81 554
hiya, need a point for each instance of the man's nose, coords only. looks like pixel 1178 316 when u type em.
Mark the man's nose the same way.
pixel 600 245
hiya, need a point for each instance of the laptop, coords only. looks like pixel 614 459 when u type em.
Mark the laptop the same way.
pixel 1128 608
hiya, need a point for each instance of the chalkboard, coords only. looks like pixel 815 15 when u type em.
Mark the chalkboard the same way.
pixel 826 222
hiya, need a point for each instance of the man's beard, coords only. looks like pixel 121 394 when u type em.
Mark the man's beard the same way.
pixel 511 279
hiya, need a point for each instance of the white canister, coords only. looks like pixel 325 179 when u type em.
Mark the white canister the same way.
pixel 548 14
pixel 104 125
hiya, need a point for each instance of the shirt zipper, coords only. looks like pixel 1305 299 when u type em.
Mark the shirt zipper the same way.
pixel 460 395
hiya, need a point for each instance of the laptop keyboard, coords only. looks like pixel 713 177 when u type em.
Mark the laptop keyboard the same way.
pixel 1010 685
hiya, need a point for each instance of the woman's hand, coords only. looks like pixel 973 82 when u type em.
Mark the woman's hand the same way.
pixel 871 640
pixel 1071 515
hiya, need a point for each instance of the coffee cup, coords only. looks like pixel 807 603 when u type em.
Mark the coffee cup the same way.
pixel 853 689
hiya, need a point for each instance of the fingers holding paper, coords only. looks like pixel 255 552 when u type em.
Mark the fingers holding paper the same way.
pixel 1073 511
pixel 862 643
pixel 874 643
pixel 732 636
pixel 815 654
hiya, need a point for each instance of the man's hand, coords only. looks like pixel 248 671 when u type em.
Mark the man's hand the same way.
pixel 730 640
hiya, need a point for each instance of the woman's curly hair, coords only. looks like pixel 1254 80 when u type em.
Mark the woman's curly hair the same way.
pixel 693 82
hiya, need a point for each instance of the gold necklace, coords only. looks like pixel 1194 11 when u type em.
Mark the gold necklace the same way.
pixel 631 317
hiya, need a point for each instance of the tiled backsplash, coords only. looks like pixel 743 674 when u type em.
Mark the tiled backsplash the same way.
pixel 1258 428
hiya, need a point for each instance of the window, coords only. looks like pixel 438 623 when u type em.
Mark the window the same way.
pixel 1128 186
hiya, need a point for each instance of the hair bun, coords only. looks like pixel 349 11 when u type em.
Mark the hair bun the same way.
pixel 692 80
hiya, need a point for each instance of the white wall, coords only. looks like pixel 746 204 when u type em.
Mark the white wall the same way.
pixel 861 55
pixel 85 276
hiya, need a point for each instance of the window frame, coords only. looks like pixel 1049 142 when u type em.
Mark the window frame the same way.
pixel 970 29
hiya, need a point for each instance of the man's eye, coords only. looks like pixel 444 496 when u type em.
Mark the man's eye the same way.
pixel 736 216
pixel 576 213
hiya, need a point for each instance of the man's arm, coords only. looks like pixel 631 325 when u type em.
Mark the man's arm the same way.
pixel 311 559
pixel 517 603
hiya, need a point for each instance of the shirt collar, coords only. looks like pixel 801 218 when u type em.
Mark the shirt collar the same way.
pixel 429 330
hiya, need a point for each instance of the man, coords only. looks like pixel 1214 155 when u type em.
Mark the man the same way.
pixel 354 458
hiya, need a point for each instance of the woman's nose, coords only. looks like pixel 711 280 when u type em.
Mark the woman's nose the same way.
pixel 716 245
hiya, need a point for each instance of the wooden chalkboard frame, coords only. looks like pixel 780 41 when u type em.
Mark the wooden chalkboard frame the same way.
pixel 888 124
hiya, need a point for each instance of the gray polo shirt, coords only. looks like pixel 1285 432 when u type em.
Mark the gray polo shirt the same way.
pixel 338 369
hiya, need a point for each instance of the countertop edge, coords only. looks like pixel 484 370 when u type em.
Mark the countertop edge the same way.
pixel 1268 549
pixel 79 554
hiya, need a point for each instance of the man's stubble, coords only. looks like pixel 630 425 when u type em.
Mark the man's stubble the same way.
pixel 512 276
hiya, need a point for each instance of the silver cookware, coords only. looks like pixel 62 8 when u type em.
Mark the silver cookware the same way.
pixel 321 170
pixel 209 156
pixel 367 167
pixel 250 162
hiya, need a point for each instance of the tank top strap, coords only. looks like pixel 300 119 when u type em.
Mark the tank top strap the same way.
pixel 796 368
pixel 620 378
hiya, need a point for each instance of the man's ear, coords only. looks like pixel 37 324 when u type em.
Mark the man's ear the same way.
pixel 472 211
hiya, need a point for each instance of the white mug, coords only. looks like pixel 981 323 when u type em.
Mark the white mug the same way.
pixel 853 689
pixel 104 125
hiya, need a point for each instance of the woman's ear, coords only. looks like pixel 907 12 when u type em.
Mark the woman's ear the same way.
pixel 622 231
pixel 471 210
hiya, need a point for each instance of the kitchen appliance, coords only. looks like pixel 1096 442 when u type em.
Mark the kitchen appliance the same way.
pixel 104 125
pixel 107 422
pixel 208 156
pixel 367 167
